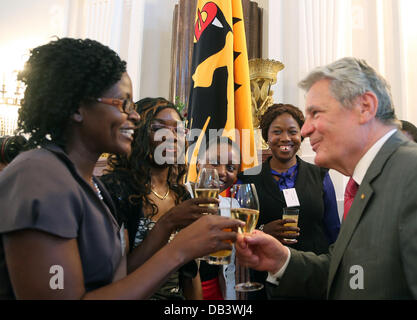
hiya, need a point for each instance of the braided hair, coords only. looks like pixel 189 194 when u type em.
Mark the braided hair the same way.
pixel 140 161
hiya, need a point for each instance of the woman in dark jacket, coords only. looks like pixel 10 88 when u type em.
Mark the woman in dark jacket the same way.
pixel 319 223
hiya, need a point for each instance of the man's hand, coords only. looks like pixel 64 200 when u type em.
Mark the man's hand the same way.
pixel 206 235
pixel 261 251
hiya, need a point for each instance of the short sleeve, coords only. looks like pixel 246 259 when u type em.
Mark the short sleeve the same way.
pixel 38 192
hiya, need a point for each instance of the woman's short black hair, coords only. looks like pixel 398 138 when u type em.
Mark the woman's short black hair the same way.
pixel 276 110
pixel 58 77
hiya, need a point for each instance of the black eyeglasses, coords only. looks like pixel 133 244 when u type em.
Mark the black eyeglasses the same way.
pixel 179 129
pixel 125 106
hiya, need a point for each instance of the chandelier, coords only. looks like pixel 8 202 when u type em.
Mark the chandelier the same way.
pixel 11 94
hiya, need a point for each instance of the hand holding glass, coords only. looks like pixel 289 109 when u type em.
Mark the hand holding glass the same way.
pixel 247 198
pixel 208 186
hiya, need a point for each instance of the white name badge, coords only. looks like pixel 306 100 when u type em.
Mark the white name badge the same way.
pixel 291 197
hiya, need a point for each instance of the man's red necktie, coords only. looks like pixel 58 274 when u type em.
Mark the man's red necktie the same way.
pixel 350 192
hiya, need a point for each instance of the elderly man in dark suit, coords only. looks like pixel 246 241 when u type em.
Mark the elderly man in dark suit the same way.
pixel 352 127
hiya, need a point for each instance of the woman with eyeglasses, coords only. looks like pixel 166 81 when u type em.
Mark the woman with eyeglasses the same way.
pixel 147 188
pixel 58 235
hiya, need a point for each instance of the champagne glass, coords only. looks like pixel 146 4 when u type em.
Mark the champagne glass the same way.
pixel 291 213
pixel 208 186
pixel 248 212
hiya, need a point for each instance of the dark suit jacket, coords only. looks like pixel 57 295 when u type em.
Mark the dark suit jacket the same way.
pixel 375 255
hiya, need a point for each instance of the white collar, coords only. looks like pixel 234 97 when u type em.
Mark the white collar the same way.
pixel 368 157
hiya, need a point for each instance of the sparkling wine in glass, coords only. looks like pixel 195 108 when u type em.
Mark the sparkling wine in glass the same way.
pixel 208 185
pixel 248 212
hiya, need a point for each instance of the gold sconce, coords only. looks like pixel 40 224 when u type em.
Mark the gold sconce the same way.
pixel 263 74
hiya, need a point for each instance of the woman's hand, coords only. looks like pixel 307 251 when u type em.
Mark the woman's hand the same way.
pixel 277 229
pixel 205 236
pixel 187 212
pixel 176 218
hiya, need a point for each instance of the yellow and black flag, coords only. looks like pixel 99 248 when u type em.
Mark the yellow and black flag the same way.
pixel 220 96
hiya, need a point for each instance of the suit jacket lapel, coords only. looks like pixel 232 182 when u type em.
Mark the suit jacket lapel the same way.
pixel 362 198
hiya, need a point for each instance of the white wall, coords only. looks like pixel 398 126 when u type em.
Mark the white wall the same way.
pixel 156 51
pixel 25 24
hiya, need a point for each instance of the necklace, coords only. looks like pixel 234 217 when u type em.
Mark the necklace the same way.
pixel 100 196
pixel 159 196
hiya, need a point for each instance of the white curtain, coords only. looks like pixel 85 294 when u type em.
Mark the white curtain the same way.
pixel 304 34
pixel 116 23
pixel 321 24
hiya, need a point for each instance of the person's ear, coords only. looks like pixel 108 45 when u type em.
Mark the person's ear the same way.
pixel 368 103
pixel 77 116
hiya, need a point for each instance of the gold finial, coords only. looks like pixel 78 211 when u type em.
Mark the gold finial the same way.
pixel 264 69
pixel 263 74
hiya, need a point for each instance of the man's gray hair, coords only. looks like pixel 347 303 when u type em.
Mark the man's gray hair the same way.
pixel 350 78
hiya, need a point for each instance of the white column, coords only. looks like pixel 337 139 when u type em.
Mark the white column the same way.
pixel 134 56
pixel 408 34
pixel 116 20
